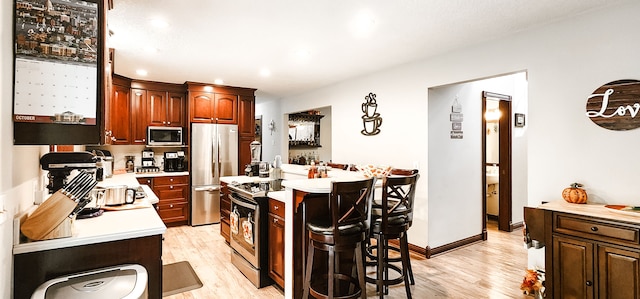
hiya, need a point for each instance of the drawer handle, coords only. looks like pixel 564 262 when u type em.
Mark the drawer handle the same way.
pixel 170 187
pixel 171 206
pixel 275 208
pixel 589 283
pixel 594 228
pixel 275 220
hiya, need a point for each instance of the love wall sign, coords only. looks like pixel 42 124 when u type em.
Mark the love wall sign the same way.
pixel 616 105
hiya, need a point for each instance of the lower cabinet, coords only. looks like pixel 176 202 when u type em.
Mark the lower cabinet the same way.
pixel 173 197
pixel 225 210
pixel 593 258
pixel 276 241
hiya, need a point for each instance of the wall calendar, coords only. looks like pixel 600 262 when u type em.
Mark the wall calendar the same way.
pixel 56 61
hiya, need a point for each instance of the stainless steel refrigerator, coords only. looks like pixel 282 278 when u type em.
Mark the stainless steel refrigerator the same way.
pixel 214 153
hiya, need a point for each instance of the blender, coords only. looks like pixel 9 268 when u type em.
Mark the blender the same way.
pixel 253 169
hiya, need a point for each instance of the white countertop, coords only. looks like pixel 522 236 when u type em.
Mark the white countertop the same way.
pixel 110 226
pixel 593 210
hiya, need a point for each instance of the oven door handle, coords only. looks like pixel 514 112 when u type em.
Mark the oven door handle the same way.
pixel 242 203
pixel 210 189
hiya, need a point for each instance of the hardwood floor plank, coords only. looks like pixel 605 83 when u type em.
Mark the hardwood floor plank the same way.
pixel 490 269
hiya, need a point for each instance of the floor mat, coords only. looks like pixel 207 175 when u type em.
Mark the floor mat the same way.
pixel 179 277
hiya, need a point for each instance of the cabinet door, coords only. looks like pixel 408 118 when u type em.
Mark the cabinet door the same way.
pixel 157 108
pixel 119 116
pixel 619 273
pixel 175 109
pixel 139 116
pixel 573 262
pixel 246 116
pixel 244 152
pixel 226 108
pixel 201 107
pixel 276 249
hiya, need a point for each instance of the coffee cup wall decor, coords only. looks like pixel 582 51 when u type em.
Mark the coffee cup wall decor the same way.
pixel 371 119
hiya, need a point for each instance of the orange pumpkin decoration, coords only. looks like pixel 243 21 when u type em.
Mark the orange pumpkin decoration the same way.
pixel 575 194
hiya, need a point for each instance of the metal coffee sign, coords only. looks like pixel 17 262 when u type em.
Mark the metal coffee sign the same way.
pixel 616 105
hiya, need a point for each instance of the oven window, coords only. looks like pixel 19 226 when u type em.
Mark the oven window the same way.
pixel 246 226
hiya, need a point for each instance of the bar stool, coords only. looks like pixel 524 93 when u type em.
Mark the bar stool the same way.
pixel 392 219
pixel 345 230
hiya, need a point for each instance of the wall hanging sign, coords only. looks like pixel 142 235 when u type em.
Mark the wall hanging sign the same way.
pixel 615 105
pixel 456 119
pixel 371 119
pixel 56 61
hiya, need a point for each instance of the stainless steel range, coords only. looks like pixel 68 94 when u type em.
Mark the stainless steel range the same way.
pixel 249 232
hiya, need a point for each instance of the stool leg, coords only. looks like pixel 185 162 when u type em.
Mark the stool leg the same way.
pixel 404 256
pixel 361 273
pixel 332 270
pixel 307 275
pixel 404 240
pixel 381 260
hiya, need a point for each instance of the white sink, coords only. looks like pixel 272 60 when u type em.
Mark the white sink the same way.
pixel 492 178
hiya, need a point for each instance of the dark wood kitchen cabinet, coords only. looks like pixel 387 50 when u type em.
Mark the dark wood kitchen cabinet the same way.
pixel 246 129
pixel 587 257
pixel 225 211
pixel 173 197
pixel 138 116
pixel 276 241
pixel 207 107
pixel 118 112
pixel 166 108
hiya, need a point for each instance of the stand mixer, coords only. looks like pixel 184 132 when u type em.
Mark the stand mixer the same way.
pixel 60 165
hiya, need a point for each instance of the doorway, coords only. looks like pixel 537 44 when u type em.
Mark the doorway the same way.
pixel 496 161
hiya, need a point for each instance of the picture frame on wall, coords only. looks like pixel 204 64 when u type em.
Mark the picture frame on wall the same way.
pixel 58 71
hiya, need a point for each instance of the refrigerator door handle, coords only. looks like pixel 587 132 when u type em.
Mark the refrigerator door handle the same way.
pixel 208 188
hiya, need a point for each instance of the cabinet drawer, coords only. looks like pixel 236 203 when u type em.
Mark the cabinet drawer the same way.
pixel 276 207
pixel 172 212
pixel 171 193
pixel 595 229
pixel 146 181
pixel 170 180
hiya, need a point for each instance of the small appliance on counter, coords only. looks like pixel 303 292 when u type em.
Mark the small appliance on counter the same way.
pixel 253 169
pixel 147 158
pixel 171 161
pixel 130 163
pixel 182 163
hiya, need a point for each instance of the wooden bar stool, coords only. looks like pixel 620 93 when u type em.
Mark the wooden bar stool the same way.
pixel 344 230
pixel 392 219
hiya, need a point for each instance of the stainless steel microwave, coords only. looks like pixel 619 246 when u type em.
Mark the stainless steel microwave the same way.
pixel 164 135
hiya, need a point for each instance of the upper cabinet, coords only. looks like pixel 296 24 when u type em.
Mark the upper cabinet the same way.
pixel 118 112
pixel 165 103
pixel 215 104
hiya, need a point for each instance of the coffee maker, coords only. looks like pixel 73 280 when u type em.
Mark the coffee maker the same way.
pixel 171 161
pixel 182 163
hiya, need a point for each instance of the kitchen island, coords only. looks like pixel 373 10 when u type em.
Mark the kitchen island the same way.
pixel 116 237
pixel 299 194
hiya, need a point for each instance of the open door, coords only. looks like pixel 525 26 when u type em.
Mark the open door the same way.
pixel 504 162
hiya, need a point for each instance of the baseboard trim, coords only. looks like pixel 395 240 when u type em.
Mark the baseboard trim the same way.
pixel 516 225
pixel 444 248
pixel 415 248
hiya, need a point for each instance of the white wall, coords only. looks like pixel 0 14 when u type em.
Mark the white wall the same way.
pixel 565 62
pixel 455 165
pixel 269 108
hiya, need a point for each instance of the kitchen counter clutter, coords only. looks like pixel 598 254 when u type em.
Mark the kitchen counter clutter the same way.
pixel 114 238
pixel 593 210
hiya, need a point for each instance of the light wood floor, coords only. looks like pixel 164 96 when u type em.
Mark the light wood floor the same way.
pixel 491 269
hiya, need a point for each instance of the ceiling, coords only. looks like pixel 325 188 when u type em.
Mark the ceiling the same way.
pixel 284 47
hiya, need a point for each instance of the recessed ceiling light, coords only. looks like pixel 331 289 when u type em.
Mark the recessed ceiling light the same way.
pixel 141 72
pixel 363 24
pixel 218 81
pixel 265 72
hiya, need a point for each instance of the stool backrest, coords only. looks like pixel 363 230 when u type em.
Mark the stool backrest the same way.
pixel 398 193
pixel 350 204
